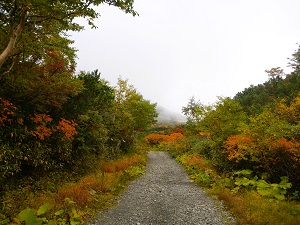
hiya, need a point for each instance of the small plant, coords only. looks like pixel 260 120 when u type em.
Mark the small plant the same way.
pixel 43 216
pixel 273 191
pixel 296 195
pixel 181 159
pixel 135 171
pixel 203 179
pixel 3 219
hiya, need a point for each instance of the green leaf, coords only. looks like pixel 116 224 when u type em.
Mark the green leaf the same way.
pixel 51 222
pixel 262 184
pixel 75 214
pixel 263 192
pixel 279 197
pixel 6 221
pixel 246 172
pixel 74 222
pixel 26 214
pixel 284 179
pixel 43 209
pixel 242 181
pixel 59 212
pixel 68 200
pixel 29 217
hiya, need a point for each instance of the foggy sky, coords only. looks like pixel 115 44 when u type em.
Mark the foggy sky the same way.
pixel 177 49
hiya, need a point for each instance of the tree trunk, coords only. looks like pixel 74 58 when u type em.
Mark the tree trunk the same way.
pixel 13 38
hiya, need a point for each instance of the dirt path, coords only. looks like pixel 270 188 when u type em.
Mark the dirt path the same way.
pixel 164 195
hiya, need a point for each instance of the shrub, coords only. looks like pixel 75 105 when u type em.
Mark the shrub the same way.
pixel 155 139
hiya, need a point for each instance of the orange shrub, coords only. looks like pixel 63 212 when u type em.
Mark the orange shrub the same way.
pixel 77 193
pixel 175 137
pixel 195 160
pixel 121 164
pixel 284 156
pixel 154 139
pixel 237 148
pixel 109 168
pixel 67 127
pixel 44 127
pixel 277 157
pixel 84 191
pixel 6 111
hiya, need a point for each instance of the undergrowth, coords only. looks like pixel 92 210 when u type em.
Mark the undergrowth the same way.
pixel 69 196
pixel 251 200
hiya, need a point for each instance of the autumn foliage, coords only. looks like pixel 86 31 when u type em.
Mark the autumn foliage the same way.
pixel 155 139
pixel 277 157
pixel 52 120
pixel 44 128
pixel 6 111
pixel 258 129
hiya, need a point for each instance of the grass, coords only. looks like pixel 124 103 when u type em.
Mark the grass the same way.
pixel 252 209
pixel 90 192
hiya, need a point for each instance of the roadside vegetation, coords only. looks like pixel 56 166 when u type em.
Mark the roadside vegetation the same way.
pixel 245 149
pixel 68 142
pixel 66 139
pixel 72 157
pixel 250 198
pixel 65 197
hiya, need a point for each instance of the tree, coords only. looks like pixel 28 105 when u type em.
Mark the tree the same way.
pixel 275 72
pixel 131 114
pixel 195 111
pixel 225 120
pixel 21 19
pixel 91 110
pixel 295 60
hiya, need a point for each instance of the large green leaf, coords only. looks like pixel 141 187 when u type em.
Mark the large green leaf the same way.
pixel 44 208
pixel 59 212
pixel 263 192
pixel 279 197
pixel 29 217
pixel 51 222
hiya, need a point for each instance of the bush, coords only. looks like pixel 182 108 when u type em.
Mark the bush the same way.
pixel 155 139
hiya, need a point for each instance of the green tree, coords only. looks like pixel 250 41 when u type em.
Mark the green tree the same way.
pixel 195 111
pixel 214 123
pixel 225 120
pixel 91 110
pixel 279 85
pixel 31 19
pixel 131 114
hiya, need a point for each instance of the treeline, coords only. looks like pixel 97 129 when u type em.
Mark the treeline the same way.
pixel 258 129
pixel 42 127
pixel 51 117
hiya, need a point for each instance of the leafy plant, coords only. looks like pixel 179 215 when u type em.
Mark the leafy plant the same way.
pixel 245 179
pixel 135 171
pixel 203 179
pixel 181 159
pixel 43 216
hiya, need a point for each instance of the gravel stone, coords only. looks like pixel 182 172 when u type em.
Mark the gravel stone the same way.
pixel 164 195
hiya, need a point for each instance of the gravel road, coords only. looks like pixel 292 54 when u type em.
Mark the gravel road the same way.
pixel 164 195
